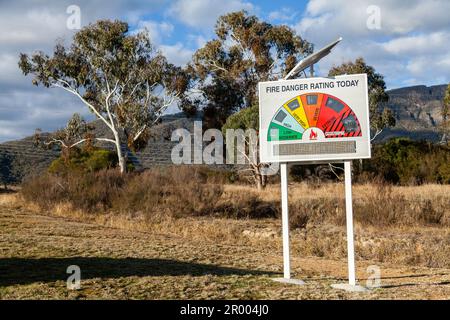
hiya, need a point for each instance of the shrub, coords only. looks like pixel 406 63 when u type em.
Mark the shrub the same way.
pixel 316 212
pixel 92 160
pixel 188 191
pixel 409 162
pixel 247 206
pixel 45 191
pixel 178 191
pixel 398 161
pixel 89 192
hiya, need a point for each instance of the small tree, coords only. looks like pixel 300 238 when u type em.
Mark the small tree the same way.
pixel 248 120
pixel 76 132
pixel 380 116
pixel 245 52
pixel 227 69
pixel 118 76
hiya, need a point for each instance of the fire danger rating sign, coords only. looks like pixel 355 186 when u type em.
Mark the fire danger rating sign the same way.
pixel 315 119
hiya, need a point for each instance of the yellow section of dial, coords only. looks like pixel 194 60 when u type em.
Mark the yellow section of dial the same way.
pixel 295 108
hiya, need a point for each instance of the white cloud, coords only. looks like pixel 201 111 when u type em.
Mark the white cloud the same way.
pixel 410 47
pixel 197 41
pixel 9 70
pixel 204 13
pixel 35 26
pixel 177 53
pixel 284 14
pixel 24 110
pixel 157 30
pixel 327 19
pixel 419 44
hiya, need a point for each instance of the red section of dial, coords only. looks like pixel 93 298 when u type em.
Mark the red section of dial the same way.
pixel 336 119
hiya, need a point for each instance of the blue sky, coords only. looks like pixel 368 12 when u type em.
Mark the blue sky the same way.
pixel 407 41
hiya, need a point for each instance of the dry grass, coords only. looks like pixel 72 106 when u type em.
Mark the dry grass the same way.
pixel 10 199
pixel 406 225
pixel 195 258
pixel 189 192
pixel 336 190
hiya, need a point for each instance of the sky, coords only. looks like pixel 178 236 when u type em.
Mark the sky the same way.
pixel 406 41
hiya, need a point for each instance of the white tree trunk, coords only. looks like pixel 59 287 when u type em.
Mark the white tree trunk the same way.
pixel 120 156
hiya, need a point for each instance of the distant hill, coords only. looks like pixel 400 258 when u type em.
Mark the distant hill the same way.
pixel 417 110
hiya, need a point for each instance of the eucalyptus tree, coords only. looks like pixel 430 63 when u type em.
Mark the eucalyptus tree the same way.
pixel 380 116
pixel 244 52
pixel 228 68
pixel 118 75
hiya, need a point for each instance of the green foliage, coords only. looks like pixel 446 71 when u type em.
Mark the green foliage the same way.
pixel 245 52
pixel 398 161
pixel 6 170
pixel 409 162
pixel 245 119
pixel 380 117
pixel 445 112
pixel 84 161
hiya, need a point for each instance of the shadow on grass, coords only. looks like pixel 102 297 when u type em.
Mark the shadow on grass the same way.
pixel 391 286
pixel 19 271
pixel 7 191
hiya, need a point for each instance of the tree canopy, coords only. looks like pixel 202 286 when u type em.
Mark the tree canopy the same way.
pixel 118 75
pixel 245 51
pixel 380 116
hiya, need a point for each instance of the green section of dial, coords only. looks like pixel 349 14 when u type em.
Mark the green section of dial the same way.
pixel 282 134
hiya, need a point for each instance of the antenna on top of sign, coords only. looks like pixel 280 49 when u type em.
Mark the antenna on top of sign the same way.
pixel 305 63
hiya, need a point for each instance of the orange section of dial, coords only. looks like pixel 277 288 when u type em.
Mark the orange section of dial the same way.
pixel 311 104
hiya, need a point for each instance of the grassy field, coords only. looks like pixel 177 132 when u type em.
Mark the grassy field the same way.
pixel 133 257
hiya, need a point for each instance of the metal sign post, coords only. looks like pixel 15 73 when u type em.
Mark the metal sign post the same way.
pixel 351 286
pixel 285 221
pixel 285 229
pixel 349 219
pixel 315 120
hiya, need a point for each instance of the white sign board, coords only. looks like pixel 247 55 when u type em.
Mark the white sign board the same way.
pixel 314 119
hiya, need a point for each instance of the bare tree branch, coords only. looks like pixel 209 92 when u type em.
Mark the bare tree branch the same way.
pixel 376 134
pixel 76 93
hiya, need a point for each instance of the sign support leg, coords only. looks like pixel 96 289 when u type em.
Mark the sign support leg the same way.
pixel 285 221
pixel 351 286
pixel 349 219
pixel 285 228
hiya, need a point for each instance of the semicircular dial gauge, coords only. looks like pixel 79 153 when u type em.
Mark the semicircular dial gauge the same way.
pixel 313 111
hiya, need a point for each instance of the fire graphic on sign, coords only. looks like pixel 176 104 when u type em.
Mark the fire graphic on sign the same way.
pixel 313 135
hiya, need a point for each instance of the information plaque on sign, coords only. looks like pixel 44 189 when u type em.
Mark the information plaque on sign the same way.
pixel 314 119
